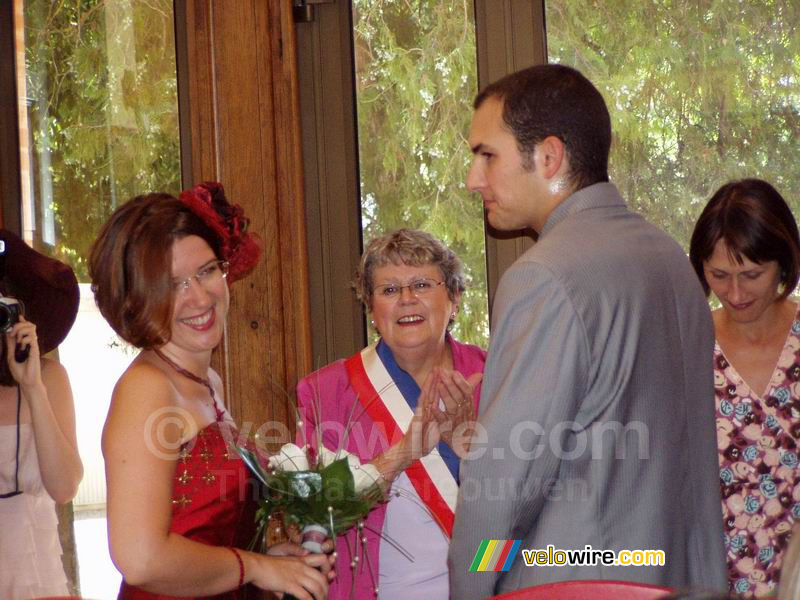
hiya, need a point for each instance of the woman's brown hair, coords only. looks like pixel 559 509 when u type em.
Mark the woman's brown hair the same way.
pixel 754 221
pixel 130 265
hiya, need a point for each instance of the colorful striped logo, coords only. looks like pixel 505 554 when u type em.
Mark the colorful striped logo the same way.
pixel 495 555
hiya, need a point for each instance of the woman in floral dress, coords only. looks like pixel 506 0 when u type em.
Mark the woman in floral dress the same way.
pixel 746 250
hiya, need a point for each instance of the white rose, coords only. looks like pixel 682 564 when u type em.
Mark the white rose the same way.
pixel 326 456
pixel 365 476
pixel 289 458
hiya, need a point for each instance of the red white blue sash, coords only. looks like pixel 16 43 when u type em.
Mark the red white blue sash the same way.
pixel 383 401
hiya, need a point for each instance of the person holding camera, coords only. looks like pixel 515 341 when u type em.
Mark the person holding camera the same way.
pixel 39 461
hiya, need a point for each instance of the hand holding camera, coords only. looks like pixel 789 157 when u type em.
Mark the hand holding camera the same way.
pixel 25 365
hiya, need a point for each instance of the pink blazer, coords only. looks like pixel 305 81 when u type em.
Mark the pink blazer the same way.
pixel 326 397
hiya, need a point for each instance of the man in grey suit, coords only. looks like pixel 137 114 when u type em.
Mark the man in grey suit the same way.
pixel 597 403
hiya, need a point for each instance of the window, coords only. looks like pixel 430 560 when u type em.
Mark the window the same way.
pixel 98 122
pixel 448 50
pixel 416 77
pixel 699 94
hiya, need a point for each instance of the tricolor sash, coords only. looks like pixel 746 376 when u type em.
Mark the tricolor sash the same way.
pixel 389 396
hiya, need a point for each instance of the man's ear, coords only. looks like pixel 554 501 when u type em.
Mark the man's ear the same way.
pixel 552 156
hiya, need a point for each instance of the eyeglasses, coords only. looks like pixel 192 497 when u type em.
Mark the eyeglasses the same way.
pixel 210 273
pixel 418 288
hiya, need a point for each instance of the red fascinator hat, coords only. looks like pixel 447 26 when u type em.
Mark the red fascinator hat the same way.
pixel 47 288
pixel 239 247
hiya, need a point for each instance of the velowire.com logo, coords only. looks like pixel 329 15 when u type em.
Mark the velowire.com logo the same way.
pixel 495 555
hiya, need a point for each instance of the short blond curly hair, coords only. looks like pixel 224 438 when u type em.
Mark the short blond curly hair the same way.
pixel 408 247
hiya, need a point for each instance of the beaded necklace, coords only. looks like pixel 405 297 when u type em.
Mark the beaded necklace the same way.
pixel 189 375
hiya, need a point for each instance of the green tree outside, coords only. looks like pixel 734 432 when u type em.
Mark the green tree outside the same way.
pixel 103 114
pixel 699 93
pixel 416 77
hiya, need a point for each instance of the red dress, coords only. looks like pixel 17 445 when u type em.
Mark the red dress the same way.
pixel 212 498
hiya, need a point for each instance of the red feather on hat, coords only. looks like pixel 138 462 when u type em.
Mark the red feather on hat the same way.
pixel 239 247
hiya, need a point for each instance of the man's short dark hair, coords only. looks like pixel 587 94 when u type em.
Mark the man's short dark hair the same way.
pixel 556 100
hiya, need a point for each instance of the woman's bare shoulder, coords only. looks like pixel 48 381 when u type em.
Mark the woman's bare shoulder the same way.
pixel 143 396
pixel 53 372
pixel 142 389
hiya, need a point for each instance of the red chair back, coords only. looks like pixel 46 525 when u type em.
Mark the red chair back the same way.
pixel 588 590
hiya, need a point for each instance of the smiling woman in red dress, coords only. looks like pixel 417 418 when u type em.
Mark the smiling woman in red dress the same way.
pixel 178 504
pixel 746 250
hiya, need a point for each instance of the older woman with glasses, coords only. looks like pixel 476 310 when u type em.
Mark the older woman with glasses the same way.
pixel 404 404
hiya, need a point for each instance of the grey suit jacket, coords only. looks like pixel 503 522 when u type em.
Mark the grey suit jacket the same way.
pixel 598 407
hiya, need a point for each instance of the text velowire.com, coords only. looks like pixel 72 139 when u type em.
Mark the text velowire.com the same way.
pixel 551 557
pixel 499 555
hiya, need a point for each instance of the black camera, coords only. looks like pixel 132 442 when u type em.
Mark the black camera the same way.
pixel 10 311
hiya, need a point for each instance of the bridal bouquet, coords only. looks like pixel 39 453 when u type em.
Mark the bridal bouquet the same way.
pixel 324 494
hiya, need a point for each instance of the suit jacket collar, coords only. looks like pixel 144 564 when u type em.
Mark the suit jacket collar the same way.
pixel 598 195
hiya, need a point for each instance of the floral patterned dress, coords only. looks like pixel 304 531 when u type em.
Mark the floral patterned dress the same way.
pixel 757 442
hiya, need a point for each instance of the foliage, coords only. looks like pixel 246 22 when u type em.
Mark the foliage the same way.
pixel 416 78
pixel 103 113
pixel 324 495
pixel 699 93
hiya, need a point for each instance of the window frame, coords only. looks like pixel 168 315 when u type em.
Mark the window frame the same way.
pixel 510 35
pixel 10 182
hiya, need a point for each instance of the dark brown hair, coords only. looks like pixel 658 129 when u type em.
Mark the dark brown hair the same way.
pixel 130 264
pixel 754 221
pixel 556 100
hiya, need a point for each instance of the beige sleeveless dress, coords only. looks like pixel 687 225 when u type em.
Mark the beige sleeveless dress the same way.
pixel 30 551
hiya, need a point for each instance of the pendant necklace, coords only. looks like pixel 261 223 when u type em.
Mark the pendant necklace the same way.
pixel 189 375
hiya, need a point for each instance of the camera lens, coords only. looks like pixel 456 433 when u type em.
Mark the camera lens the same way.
pixel 6 320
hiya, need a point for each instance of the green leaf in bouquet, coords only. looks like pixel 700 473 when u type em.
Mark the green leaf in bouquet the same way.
pixel 262 519
pixel 347 513
pixel 337 481
pixel 250 459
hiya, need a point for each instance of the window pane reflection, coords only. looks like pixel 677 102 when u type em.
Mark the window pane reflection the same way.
pixel 99 118
pixel 699 93
pixel 416 77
